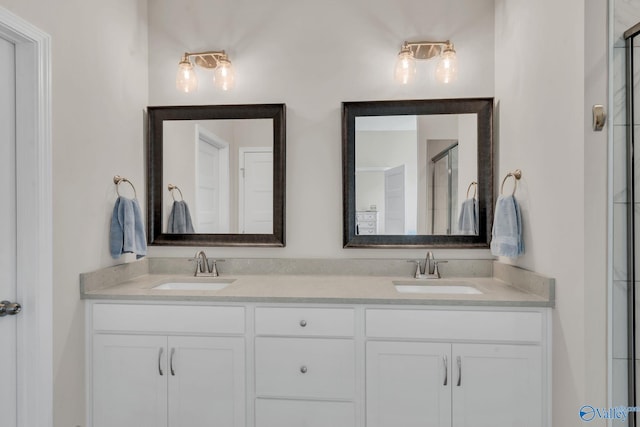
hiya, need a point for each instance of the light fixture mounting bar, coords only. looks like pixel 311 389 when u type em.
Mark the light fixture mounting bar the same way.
pixel 426 50
pixel 207 59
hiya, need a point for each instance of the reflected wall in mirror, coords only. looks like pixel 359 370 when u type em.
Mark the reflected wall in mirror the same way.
pixel 418 173
pixel 216 175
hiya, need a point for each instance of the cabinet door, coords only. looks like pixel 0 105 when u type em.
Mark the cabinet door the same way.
pixel 297 413
pixel 206 382
pixel 497 385
pixel 408 384
pixel 129 381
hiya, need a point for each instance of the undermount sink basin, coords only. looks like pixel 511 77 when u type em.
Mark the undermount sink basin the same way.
pixel 437 286
pixel 214 285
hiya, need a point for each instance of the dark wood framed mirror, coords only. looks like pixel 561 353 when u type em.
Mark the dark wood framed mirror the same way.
pixel 418 173
pixel 216 175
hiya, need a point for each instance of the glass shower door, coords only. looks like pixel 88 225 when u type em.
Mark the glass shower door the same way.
pixel 444 191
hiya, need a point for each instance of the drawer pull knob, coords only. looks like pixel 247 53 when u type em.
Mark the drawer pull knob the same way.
pixel 303 323
pixel 303 369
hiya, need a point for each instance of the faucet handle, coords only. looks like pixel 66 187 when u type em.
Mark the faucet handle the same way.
pixel 213 269
pixel 418 272
pixel 436 271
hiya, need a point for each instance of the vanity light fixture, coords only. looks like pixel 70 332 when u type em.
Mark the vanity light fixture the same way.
pixel 223 73
pixel 446 69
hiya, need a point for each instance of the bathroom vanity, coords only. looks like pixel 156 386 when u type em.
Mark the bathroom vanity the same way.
pixel 317 350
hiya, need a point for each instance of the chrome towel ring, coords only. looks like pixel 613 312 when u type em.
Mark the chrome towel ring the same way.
pixel 172 187
pixel 117 180
pixel 516 174
pixel 473 184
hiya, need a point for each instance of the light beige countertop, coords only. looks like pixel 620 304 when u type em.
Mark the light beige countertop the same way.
pixel 136 282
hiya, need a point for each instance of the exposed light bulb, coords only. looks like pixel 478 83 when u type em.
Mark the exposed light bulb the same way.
pixel 405 70
pixel 447 68
pixel 224 75
pixel 186 79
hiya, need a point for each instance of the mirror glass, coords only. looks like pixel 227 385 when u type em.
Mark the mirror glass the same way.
pixel 216 175
pixel 412 173
pixel 417 172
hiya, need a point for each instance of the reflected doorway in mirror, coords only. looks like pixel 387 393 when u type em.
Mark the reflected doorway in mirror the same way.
pixel 256 190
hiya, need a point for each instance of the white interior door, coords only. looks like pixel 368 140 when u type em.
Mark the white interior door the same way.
pixel 256 191
pixel 394 200
pixel 25 224
pixel 208 192
pixel 8 241
pixel 212 192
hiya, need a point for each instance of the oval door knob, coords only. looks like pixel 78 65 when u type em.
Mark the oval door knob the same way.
pixel 9 308
pixel 303 369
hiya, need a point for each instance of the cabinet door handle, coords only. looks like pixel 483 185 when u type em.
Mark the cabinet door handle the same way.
pixel 303 323
pixel 303 369
pixel 160 361
pixel 446 375
pixel 173 373
pixel 459 371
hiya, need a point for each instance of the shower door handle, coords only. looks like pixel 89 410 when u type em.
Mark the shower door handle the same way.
pixel 9 308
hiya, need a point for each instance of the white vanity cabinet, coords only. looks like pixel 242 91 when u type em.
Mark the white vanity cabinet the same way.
pixel 316 365
pixel 305 371
pixel 146 370
pixel 487 368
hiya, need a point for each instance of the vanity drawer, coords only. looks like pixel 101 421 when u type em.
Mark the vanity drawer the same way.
pixel 296 413
pixel 168 319
pixel 367 216
pixel 364 231
pixel 305 367
pixel 335 322
pixel 525 326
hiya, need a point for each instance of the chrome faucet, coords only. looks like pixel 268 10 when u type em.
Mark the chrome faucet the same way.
pixel 202 264
pixel 203 267
pixel 429 263
pixel 429 270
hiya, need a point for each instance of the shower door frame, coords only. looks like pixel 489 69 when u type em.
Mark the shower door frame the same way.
pixel 442 154
pixel 629 36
